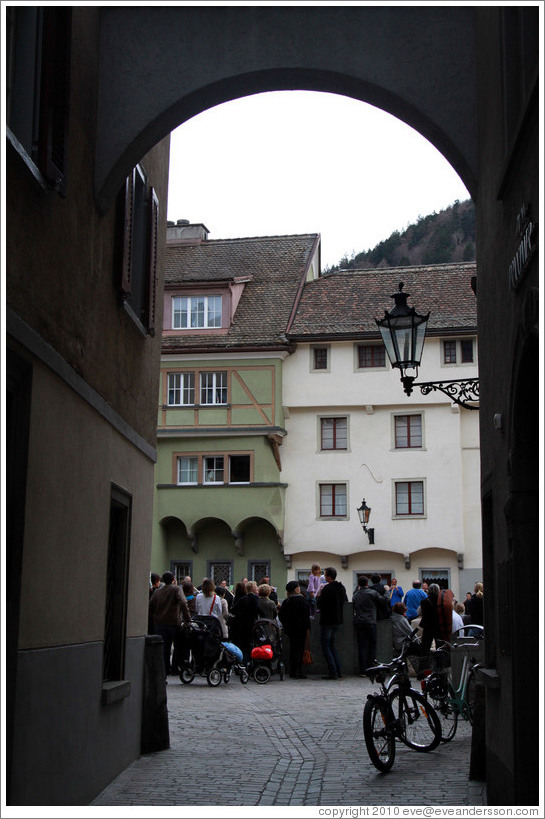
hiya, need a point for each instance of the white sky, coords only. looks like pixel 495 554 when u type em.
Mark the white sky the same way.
pixel 306 162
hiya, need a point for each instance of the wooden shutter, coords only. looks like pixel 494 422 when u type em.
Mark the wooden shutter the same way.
pixel 153 266
pixel 127 236
pixel 55 85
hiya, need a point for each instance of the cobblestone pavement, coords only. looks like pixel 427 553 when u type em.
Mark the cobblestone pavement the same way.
pixel 290 742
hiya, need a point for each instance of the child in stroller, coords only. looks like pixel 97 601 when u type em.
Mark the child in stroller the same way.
pixel 202 651
pixel 266 651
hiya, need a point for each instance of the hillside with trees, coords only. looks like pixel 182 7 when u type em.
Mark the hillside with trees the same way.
pixel 444 237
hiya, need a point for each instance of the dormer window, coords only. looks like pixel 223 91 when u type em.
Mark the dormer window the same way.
pixel 196 312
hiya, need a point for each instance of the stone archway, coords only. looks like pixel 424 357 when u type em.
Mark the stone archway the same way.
pixel 161 66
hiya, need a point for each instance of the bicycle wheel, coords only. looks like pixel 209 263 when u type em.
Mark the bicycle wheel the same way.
pixel 448 718
pixel 469 704
pixel 419 726
pixel 379 740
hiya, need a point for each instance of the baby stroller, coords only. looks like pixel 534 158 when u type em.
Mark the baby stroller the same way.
pixel 202 651
pixel 266 651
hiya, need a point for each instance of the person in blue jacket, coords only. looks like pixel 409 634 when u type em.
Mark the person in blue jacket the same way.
pixel 396 593
pixel 412 600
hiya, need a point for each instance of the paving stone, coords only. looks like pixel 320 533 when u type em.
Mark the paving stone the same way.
pixel 306 748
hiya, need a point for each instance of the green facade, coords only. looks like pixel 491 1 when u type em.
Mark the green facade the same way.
pixel 227 527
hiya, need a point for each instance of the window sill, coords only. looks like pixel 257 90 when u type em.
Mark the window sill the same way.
pixel 409 517
pixel 115 691
pixel 194 406
pixel 333 519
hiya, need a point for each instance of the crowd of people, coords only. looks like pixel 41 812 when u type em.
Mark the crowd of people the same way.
pixel 434 611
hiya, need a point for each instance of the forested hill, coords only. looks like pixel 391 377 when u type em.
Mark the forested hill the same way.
pixel 444 237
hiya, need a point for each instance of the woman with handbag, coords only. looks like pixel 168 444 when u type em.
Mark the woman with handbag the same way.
pixel 295 619
pixel 207 601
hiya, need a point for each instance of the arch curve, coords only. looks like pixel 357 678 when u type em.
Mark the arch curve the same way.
pixel 162 66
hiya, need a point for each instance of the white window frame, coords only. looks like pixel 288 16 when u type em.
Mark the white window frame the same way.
pixel 397 448
pixel 179 460
pixel 321 419
pixel 221 376
pixel 185 388
pixel 319 486
pixel 184 306
pixel 410 516
pixel 216 468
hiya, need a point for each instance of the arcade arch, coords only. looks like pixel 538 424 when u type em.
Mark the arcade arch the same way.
pixel 212 547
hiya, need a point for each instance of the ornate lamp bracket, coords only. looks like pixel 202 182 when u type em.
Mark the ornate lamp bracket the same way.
pixel 462 392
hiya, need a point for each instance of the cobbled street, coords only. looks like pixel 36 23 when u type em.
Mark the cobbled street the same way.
pixel 286 743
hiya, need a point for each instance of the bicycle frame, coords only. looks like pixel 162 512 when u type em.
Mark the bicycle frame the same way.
pixel 399 678
pixel 457 697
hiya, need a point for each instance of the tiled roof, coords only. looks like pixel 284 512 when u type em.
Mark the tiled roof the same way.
pixel 277 265
pixel 347 303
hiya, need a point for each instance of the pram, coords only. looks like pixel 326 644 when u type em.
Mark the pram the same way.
pixel 202 651
pixel 265 662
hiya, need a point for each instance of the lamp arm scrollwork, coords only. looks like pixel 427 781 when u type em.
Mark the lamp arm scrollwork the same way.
pixel 460 391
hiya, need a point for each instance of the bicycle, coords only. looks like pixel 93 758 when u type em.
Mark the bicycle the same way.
pixel 397 711
pixel 451 703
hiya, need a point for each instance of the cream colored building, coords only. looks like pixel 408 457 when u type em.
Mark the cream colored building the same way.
pixel 353 434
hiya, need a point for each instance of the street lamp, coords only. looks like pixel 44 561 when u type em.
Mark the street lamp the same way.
pixel 403 332
pixel 364 512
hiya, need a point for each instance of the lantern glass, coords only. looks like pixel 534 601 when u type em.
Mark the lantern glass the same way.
pixel 363 512
pixel 403 332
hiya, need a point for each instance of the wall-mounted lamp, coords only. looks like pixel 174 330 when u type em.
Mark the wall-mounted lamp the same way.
pixel 403 332
pixel 364 513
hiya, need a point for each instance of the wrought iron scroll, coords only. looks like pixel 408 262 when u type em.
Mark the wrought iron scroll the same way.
pixel 461 392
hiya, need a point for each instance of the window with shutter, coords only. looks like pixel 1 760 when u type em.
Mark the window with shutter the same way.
pixel 38 83
pixel 139 269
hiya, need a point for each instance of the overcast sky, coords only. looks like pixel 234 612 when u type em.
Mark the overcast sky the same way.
pixel 306 162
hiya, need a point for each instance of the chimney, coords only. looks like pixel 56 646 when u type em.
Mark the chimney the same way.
pixel 184 232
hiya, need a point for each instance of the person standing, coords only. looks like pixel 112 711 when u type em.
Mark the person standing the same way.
pixel 436 622
pixel 331 600
pixel 367 601
pixel 314 586
pixel 383 612
pixel 266 581
pixel 224 616
pixel 267 608
pixel 295 619
pixel 245 612
pixel 168 607
pixel 413 599
pixel 207 601
pixel 229 596
pixel 474 606
pixel 396 593
pixel 155 583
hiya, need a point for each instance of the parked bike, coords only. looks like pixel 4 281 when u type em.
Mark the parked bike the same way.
pixel 436 682
pixel 397 712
